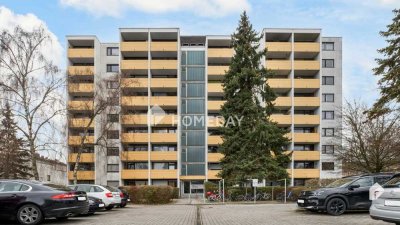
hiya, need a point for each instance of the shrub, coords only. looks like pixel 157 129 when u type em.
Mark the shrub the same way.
pixel 210 186
pixel 317 183
pixel 152 194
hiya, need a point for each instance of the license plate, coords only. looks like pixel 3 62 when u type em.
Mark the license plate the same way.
pixel 81 198
pixel 300 201
pixel 392 203
pixel 101 205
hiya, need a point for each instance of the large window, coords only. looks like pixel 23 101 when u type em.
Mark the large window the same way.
pixel 328 80
pixel 214 166
pixel 113 134
pixel 113 151
pixel 303 148
pixel 328 166
pixel 112 168
pixel 303 130
pixel 328 46
pixel 328 63
pixel 328 97
pixel 328 115
pixel 137 165
pixel 163 166
pixel 112 51
pixel 112 68
pixel 304 165
pixel 328 149
pixel 136 148
pixel 328 132
pixel 113 118
pixel 164 148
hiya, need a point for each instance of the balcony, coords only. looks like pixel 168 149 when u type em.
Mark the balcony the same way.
pixel 164 83
pixel 306 101
pixel 136 83
pixel 220 52
pixel 134 156
pixel 214 140
pixel 163 137
pixel 80 53
pixel 214 105
pixel 134 64
pixel 214 157
pixel 306 47
pixel 80 88
pixel 80 123
pixel 212 174
pixel 282 119
pixel 85 157
pixel 137 46
pixel 279 65
pixel 304 173
pixel 306 137
pixel 160 64
pixel 306 83
pixel 76 140
pixel 134 174
pixel 134 101
pixel 215 88
pixel 216 72
pixel 80 105
pixel 306 119
pixel 283 102
pixel 278 46
pixel 164 174
pixel 169 101
pixel 81 175
pixel 164 46
pixel 280 83
pixel 306 155
pixel 81 70
pixel 306 65
pixel 134 137
pixel 163 156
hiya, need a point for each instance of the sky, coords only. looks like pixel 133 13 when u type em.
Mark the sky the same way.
pixel 358 22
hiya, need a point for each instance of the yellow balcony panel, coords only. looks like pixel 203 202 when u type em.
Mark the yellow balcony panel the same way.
pixel 164 156
pixel 134 174
pixel 306 137
pixel 214 157
pixel 306 155
pixel 80 70
pixel 278 46
pixel 279 64
pixel 306 119
pixel 80 53
pixel 163 137
pixel 85 157
pixel 220 52
pixel 306 47
pixel 164 46
pixel 306 83
pixel 164 100
pixel 80 88
pixel 215 121
pixel 134 46
pixel 212 174
pixel 280 83
pixel 164 174
pixel 80 123
pixel 140 119
pixel 283 102
pixel 306 65
pixel 307 101
pixel 134 101
pixel 282 119
pixel 76 140
pixel 134 83
pixel 217 70
pixel 129 64
pixel 81 175
pixel 134 137
pixel 198 177
pixel 214 140
pixel 134 156
pixel 171 83
pixel 166 64
pixel 80 105
pixel 215 88
pixel 215 105
pixel 304 173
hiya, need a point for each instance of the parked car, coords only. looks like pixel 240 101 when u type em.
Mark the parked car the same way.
pixel 110 196
pixel 125 198
pixel 387 206
pixel 31 202
pixel 95 204
pixel 348 193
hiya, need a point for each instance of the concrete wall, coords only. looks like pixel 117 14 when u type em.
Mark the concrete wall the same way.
pixel 57 172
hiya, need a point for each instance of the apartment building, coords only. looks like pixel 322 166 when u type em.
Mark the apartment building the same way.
pixel 165 131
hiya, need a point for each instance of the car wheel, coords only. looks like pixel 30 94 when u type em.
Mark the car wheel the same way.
pixel 336 207
pixel 109 207
pixel 29 214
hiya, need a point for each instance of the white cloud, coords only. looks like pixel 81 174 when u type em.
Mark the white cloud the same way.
pixel 205 8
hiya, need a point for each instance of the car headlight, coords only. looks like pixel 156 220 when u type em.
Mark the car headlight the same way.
pixel 318 193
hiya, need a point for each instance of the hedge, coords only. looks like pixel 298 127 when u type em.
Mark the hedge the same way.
pixel 152 194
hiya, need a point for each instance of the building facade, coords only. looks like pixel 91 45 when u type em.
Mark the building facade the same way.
pixel 165 131
pixel 52 171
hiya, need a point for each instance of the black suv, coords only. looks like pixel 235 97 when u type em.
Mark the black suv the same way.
pixel 348 193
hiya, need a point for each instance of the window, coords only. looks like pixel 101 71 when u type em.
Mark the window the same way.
pixel 328 149
pixel 112 168
pixel 328 46
pixel 214 166
pixel 328 63
pixel 48 178
pixel 328 165
pixel 112 51
pixel 164 130
pixel 164 148
pixel 112 84
pixel 303 148
pixel 13 187
pixel 136 148
pixel 364 182
pixel 113 183
pixel 137 166
pixel 114 151
pixel 213 149
pixel 328 132
pixel 328 115
pixel 113 118
pixel 113 101
pixel 328 80
pixel 112 68
pixel 299 182
pixel 328 97
pixel 303 130
pixel 304 165
pixel 164 166
pixel 112 134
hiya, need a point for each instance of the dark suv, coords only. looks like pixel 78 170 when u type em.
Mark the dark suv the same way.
pixel 348 193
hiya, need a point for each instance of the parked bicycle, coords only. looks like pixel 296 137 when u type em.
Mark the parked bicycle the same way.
pixel 289 197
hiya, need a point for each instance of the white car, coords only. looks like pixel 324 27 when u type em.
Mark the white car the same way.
pixel 109 195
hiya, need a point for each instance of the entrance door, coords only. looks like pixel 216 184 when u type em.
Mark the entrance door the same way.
pixel 192 188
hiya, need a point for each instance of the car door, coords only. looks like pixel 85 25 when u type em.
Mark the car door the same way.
pixel 11 194
pixel 359 196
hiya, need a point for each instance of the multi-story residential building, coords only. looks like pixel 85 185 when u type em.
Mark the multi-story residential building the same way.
pixel 179 78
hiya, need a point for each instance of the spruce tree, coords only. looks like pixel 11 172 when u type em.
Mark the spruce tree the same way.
pixel 14 158
pixel 253 148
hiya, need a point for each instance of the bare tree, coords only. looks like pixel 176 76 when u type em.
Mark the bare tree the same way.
pixel 32 84
pixel 369 145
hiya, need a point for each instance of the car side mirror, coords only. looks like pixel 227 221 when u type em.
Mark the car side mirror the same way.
pixel 354 186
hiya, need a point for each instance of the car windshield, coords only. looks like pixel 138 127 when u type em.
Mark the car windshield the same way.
pixel 57 187
pixel 393 183
pixel 341 182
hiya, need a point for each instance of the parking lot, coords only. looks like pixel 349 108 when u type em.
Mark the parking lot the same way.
pixel 272 214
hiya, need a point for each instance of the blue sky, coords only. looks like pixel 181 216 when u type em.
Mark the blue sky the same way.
pixel 357 21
